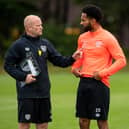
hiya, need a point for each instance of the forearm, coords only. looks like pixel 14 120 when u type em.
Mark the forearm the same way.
pixel 116 66
pixel 62 61
pixel 14 72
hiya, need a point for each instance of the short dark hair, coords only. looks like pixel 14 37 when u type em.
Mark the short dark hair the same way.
pixel 93 11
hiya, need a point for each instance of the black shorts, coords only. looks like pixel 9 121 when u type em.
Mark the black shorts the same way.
pixel 93 98
pixel 34 110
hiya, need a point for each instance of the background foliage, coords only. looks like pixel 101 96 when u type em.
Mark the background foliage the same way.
pixel 57 16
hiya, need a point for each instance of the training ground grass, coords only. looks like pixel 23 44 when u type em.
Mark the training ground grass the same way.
pixel 63 94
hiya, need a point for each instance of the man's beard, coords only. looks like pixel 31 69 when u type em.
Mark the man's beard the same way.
pixel 87 28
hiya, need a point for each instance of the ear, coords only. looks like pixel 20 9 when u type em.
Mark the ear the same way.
pixel 93 21
pixel 29 29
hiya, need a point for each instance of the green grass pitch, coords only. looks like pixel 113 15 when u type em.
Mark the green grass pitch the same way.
pixel 63 94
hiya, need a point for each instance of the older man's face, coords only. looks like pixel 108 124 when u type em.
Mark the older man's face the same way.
pixel 33 25
pixel 36 27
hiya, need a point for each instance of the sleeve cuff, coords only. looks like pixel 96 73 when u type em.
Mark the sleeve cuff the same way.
pixel 72 59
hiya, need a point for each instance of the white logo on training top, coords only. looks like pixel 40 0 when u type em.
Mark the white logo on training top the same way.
pixel 43 48
pixel 99 43
pixel 27 49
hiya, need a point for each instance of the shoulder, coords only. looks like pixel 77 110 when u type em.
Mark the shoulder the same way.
pixel 46 42
pixel 18 46
pixel 108 35
pixel 20 41
pixel 83 35
pixel 82 38
pixel 109 39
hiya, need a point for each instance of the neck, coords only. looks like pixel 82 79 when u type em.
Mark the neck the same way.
pixel 31 35
pixel 96 27
pixel 34 38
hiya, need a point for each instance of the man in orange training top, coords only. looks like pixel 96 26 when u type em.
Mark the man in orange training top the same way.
pixel 98 48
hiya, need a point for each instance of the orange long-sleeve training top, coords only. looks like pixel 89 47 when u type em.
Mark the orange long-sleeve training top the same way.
pixel 99 49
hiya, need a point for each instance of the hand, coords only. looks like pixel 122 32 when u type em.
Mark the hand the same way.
pixel 96 75
pixel 76 72
pixel 29 79
pixel 77 54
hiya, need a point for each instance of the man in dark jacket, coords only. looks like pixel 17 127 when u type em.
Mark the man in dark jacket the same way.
pixel 26 61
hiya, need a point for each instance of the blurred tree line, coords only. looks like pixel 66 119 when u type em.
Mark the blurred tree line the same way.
pixel 55 15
